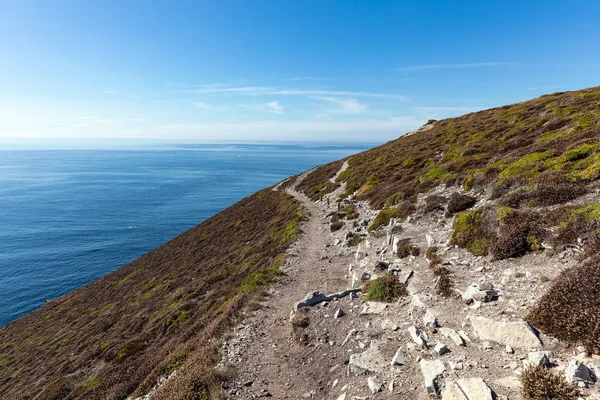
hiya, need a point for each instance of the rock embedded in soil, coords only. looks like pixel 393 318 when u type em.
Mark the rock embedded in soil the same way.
pixel 516 334
pixel 432 370
pixel 467 389
pixel 373 386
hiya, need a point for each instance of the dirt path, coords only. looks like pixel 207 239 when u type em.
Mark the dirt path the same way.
pixel 268 359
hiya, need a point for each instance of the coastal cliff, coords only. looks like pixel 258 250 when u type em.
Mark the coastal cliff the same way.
pixel 471 245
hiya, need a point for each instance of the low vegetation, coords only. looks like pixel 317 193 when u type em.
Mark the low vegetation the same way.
pixel 570 310
pixel 539 383
pixel 386 289
pixel 116 336
pixel 405 248
pixel 400 212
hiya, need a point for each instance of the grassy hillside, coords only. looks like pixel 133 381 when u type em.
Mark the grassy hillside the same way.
pixel 119 334
pixel 535 165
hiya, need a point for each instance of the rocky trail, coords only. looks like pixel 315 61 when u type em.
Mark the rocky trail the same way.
pixel 472 345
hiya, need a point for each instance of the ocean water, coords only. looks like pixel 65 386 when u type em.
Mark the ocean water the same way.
pixel 68 217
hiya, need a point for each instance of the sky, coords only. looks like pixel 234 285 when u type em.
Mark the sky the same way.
pixel 280 70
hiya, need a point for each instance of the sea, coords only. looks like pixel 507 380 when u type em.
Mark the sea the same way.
pixel 72 214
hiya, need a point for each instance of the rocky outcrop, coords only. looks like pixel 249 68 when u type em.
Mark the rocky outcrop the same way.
pixel 467 389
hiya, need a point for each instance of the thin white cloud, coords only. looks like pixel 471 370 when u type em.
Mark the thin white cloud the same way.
pixel 310 78
pixel 365 130
pixel 277 91
pixel 203 106
pixel 453 66
pixel 273 107
pixel 338 105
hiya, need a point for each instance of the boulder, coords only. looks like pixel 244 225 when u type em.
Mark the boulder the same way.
pixel 467 389
pixel 516 334
pixel 404 276
pixel 577 372
pixel 432 370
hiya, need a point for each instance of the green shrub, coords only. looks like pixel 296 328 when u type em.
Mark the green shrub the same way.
pixel 263 277
pixel 570 309
pixel 539 383
pixel 177 318
pixel 473 231
pixel 386 289
pixel 349 211
pixel 401 212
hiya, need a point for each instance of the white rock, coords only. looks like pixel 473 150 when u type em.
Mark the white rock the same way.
pixel 464 336
pixel 517 334
pixel 338 313
pixel 417 336
pixel 387 324
pixel 348 336
pixel 467 389
pixel 371 360
pixel 430 240
pixel 509 350
pixel 432 370
pixel 430 320
pixel 373 307
pixel 537 358
pixel 404 276
pixel 342 396
pixel 578 372
pixel 509 382
pixel 398 358
pixel 373 386
pixel 441 349
pixel 452 335
pixel 455 366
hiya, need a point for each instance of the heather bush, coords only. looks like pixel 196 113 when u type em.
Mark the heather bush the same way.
pixel 405 248
pixel 386 289
pixel 443 286
pixel 433 257
pixel 570 309
pixel 349 211
pixel 459 202
pixel 519 233
pixel 435 202
pixel 336 226
pixel 539 383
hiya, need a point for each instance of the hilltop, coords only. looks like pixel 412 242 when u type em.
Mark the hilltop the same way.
pixel 450 262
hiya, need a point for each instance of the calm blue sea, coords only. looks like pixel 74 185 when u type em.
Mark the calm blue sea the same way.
pixel 68 217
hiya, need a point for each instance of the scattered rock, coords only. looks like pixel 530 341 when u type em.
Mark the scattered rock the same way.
pixel 348 336
pixel 509 382
pixel 467 389
pixel 342 396
pixel 483 292
pixel 432 370
pixel 430 320
pixel 370 360
pixel 404 276
pixel 577 372
pixel 417 336
pixel 398 358
pixel 453 335
pixel 373 386
pixel 317 297
pixel 517 334
pixel 373 307
pixel 509 350
pixel 537 358
pixel 387 324
pixel 441 349
pixel 338 313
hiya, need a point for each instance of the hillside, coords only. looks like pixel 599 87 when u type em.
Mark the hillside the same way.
pixel 476 234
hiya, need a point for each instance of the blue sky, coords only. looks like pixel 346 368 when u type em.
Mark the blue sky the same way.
pixel 249 70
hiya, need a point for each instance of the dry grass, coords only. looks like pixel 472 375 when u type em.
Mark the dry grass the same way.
pixel 165 310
